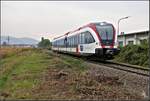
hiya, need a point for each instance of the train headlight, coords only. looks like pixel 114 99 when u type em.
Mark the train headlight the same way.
pixel 102 23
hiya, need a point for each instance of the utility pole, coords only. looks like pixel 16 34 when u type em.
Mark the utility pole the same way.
pixel 119 22
pixel 119 26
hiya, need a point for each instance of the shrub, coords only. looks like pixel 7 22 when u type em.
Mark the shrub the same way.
pixel 134 54
pixel 44 43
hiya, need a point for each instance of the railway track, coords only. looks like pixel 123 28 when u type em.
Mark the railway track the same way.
pixel 124 67
pixel 120 66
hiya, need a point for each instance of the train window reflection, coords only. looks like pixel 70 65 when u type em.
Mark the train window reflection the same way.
pixel 88 38
pixel 105 32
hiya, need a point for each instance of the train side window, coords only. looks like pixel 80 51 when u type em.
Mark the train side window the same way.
pixel 59 43
pixel 78 37
pixel 65 41
pixel 82 41
pixel 71 42
pixel 76 40
pixel 68 41
pixel 56 43
pixel 63 44
pixel 88 38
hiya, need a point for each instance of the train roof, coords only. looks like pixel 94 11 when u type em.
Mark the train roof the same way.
pixel 87 25
pixel 73 31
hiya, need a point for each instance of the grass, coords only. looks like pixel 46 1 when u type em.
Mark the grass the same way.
pixel 21 71
pixel 8 51
pixel 42 74
pixel 76 64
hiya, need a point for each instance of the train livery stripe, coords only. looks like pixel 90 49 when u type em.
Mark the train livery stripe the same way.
pixel 114 34
pixel 77 51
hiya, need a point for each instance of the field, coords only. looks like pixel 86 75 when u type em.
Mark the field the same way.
pixel 27 73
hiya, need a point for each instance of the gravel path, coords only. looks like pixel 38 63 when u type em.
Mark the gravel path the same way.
pixel 133 82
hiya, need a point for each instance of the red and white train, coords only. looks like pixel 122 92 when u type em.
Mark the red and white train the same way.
pixel 92 39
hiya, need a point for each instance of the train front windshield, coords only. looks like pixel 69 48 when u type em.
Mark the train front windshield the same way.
pixel 106 34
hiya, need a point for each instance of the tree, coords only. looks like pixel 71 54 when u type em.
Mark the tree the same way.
pixel 44 43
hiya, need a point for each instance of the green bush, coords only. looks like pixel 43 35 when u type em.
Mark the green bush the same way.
pixel 134 54
pixel 44 43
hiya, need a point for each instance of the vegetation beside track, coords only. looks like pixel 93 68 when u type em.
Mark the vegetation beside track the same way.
pixel 19 72
pixel 21 69
pixel 29 73
pixel 134 54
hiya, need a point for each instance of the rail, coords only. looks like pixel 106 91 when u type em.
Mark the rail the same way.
pixel 124 67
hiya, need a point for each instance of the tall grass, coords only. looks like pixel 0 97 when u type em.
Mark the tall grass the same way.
pixel 10 51
pixel 21 69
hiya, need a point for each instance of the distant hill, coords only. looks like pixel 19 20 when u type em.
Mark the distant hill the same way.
pixel 14 40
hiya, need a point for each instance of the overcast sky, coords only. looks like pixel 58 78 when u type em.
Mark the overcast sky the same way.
pixel 50 18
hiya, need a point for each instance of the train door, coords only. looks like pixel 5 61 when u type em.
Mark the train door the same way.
pixel 81 41
pixel 65 44
pixel 87 43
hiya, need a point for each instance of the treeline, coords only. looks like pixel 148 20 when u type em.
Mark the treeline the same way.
pixel 44 43
pixel 135 54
